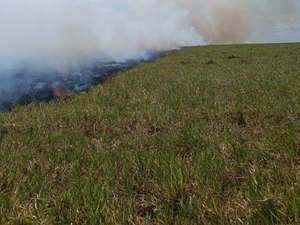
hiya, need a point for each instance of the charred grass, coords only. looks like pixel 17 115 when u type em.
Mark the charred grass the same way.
pixel 207 135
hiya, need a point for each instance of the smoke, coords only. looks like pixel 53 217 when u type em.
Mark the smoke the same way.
pixel 65 33
pixel 234 21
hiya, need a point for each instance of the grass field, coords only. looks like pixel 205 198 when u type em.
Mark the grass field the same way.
pixel 206 135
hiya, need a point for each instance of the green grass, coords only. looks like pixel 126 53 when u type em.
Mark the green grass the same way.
pixel 206 135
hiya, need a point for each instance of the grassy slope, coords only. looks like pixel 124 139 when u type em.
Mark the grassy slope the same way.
pixel 207 134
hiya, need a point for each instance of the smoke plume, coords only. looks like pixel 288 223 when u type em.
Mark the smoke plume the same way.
pixel 65 33
pixel 234 21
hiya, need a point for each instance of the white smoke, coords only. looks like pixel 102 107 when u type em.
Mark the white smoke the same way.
pixel 63 33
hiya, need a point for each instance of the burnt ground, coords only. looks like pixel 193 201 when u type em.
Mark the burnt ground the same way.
pixel 27 85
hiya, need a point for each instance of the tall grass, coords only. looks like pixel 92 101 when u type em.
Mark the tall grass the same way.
pixel 206 135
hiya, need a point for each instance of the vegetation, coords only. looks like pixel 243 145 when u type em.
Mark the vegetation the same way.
pixel 206 135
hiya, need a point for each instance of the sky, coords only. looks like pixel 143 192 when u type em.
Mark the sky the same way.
pixel 281 34
pixel 289 32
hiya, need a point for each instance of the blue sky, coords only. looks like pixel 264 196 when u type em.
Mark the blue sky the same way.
pixel 289 33
pixel 281 34
pixel 285 32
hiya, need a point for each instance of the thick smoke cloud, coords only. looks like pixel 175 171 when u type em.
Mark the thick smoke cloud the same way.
pixel 65 33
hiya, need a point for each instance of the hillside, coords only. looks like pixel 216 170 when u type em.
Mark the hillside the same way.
pixel 205 135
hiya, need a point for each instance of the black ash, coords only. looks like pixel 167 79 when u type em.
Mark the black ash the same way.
pixel 27 85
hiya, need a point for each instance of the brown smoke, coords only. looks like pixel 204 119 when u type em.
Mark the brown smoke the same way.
pixel 233 21
pixel 229 26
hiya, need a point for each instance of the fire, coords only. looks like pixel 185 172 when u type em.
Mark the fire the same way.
pixel 59 92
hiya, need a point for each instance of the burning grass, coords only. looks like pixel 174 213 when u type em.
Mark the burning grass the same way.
pixel 207 135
